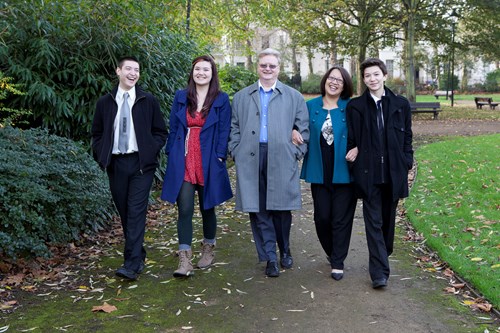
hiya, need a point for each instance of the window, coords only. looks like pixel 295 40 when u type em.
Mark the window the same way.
pixel 390 68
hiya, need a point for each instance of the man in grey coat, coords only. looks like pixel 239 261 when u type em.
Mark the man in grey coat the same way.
pixel 268 186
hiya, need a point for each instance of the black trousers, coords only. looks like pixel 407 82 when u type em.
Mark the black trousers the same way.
pixel 380 220
pixel 130 191
pixel 334 207
pixel 269 226
pixel 185 205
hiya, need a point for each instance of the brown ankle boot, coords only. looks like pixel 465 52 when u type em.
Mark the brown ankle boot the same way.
pixel 185 266
pixel 207 255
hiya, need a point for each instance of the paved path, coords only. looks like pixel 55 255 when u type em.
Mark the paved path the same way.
pixel 307 299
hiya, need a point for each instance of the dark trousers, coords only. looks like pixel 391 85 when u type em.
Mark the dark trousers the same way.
pixel 269 226
pixel 380 219
pixel 130 191
pixel 185 204
pixel 334 207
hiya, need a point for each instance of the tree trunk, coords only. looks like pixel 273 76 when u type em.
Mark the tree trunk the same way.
pixel 411 6
pixel 188 17
pixel 310 56
pixel 249 61
pixel 360 86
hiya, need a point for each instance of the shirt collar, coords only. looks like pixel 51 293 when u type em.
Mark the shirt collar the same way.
pixel 375 98
pixel 120 92
pixel 272 88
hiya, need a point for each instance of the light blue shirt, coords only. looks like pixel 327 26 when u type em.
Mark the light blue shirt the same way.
pixel 265 96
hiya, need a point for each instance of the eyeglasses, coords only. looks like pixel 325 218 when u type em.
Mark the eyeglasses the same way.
pixel 335 79
pixel 264 66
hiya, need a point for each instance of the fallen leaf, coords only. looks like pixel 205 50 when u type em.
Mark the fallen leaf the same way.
pixel 108 308
pixel 451 290
pixel 458 285
pixel 486 307
pixel 476 259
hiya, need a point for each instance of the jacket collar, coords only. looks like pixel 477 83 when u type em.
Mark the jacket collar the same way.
pixel 182 98
pixel 138 92
pixel 279 87
pixel 212 116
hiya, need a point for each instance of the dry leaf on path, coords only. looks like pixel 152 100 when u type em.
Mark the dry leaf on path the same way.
pixel 104 308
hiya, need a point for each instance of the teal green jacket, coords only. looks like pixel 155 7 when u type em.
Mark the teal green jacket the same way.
pixel 312 167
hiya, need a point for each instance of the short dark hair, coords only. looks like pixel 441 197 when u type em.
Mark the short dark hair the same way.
pixel 125 58
pixel 371 62
pixel 347 89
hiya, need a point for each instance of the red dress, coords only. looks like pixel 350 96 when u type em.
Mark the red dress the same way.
pixel 194 170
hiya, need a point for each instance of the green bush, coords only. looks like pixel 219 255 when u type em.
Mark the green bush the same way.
pixel 311 85
pixel 443 82
pixel 492 82
pixel 397 85
pixel 234 78
pixel 64 53
pixel 51 191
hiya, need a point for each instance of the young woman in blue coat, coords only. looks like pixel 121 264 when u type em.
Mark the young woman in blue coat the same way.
pixel 326 168
pixel 200 122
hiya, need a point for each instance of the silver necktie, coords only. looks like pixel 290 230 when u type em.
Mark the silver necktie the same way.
pixel 124 126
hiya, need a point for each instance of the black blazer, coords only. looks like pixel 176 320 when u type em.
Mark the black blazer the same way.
pixel 398 137
pixel 149 124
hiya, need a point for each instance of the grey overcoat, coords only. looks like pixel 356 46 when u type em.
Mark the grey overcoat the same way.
pixel 287 110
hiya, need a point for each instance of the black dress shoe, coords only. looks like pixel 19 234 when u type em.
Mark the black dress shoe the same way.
pixel 126 274
pixel 142 265
pixel 272 269
pixel 286 261
pixel 379 283
pixel 337 276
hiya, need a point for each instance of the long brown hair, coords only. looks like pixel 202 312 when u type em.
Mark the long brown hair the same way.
pixel 213 90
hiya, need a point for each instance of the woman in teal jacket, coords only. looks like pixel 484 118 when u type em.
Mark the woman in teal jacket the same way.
pixel 325 167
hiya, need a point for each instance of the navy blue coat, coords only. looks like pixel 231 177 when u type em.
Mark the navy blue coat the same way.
pixel 214 137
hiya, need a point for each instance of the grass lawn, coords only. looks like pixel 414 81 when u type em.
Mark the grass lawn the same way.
pixel 455 204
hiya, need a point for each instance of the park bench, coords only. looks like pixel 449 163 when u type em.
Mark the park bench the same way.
pixel 426 107
pixel 481 101
pixel 438 93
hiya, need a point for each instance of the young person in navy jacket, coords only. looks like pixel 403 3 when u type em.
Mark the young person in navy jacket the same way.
pixel 200 122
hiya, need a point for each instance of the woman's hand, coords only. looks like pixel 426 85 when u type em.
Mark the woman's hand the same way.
pixel 297 138
pixel 352 154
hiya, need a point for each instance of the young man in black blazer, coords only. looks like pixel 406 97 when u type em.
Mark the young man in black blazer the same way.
pixel 128 132
pixel 379 126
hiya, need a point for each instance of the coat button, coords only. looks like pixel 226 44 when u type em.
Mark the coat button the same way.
pixel 366 171
pixel 252 154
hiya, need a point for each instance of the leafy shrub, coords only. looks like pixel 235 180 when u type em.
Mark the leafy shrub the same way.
pixel 311 85
pixel 51 191
pixel 234 78
pixel 65 53
pixel 445 83
pixel 9 115
pixel 492 82
pixel 397 85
